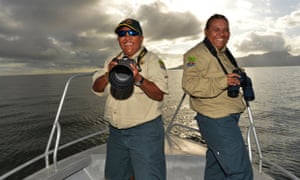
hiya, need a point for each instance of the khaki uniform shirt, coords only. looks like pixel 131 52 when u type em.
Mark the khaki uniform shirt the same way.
pixel 206 83
pixel 138 108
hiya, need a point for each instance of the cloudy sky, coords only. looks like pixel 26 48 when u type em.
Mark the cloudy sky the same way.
pixel 40 36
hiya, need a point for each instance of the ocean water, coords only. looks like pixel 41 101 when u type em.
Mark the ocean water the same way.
pixel 28 106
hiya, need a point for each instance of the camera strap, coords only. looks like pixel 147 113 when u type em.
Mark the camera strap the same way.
pixel 213 51
pixel 140 57
pixel 248 92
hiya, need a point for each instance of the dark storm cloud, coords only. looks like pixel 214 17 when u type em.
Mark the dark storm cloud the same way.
pixel 69 33
pixel 51 16
pixel 50 30
pixel 168 25
pixel 262 43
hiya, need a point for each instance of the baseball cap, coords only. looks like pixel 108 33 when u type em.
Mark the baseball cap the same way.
pixel 130 23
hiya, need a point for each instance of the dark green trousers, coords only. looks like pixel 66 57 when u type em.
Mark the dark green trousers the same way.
pixel 227 157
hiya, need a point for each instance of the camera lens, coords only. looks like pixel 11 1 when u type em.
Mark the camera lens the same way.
pixel 233 91
pixel 122 80
pixel 121 75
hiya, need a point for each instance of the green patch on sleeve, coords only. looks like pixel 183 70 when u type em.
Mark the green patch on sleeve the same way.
pixel 191 59
pixel 162 64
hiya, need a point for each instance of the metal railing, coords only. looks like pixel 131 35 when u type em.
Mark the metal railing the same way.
pixel 55 128
pixel 251 130
pixel 56 125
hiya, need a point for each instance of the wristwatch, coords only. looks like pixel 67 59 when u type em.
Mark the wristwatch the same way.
pixel 139 83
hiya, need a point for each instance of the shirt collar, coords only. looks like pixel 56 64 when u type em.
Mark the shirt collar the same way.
pixel 222 51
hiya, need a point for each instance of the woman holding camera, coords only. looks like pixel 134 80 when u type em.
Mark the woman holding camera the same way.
pixel 205 80
pixel 135 145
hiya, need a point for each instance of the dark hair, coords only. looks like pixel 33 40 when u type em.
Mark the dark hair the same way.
pixel 213 17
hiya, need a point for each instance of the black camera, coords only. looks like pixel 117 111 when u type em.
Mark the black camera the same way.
pixel 245 83
pixel 248 89
pixel 233 90
pixel 121 78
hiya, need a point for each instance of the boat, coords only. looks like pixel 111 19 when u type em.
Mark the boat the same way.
pixel 185 157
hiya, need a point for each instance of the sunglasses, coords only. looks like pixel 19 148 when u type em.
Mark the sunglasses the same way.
pixel 130 33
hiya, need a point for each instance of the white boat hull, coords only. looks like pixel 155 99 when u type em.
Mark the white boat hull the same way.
pixel 185 161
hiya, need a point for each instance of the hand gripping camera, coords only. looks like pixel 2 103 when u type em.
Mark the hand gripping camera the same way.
pixel 121 78
pixel 245 83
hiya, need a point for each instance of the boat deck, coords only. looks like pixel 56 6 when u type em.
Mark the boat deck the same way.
pixel 185 161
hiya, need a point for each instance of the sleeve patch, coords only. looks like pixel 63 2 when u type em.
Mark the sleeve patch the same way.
pixel 191 61
pixel 162 64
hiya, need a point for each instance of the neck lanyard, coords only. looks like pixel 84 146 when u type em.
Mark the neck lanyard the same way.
pixel 213 51
pixel 139 58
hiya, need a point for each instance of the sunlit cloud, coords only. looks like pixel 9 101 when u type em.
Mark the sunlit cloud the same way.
pixel 262 43
pixel 48 35
pixel 290 21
